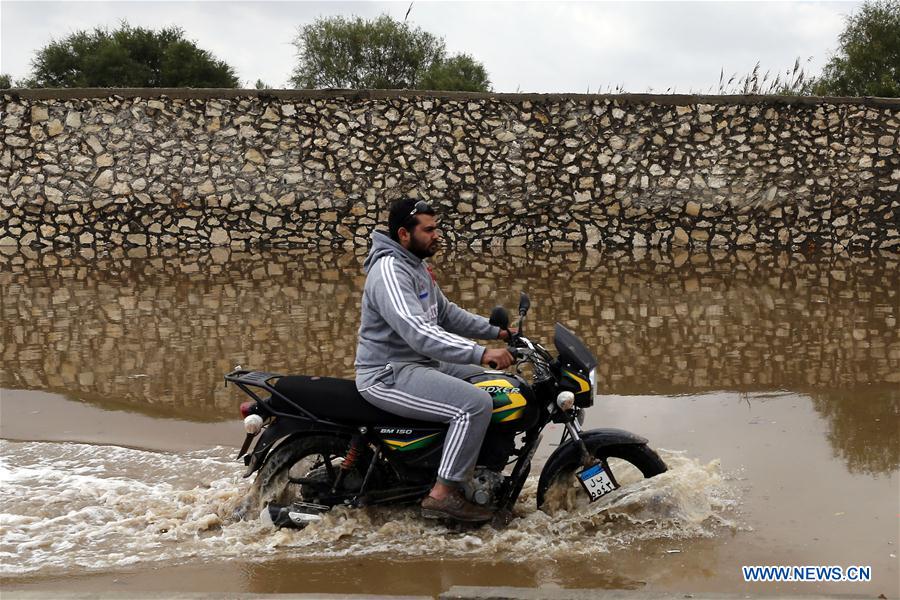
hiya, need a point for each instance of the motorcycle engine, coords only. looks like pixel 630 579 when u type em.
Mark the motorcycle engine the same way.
pixel 483 487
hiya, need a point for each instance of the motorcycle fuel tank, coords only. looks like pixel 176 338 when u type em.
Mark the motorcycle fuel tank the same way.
pixel 515 406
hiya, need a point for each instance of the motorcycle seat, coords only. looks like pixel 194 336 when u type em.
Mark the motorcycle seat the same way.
pixel 337 400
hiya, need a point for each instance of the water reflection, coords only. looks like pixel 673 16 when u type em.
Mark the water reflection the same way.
pixel 154 332
pixel 864 426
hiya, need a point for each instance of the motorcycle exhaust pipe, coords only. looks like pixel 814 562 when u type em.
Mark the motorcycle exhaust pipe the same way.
pixel 294 516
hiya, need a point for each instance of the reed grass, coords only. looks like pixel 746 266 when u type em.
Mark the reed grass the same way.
pixel 792 82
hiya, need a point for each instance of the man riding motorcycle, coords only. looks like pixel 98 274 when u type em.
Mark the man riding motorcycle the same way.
pixel 412 356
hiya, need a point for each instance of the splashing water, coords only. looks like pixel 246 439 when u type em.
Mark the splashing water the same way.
pixel 71 507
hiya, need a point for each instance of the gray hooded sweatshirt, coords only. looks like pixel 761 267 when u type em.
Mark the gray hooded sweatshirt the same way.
pixel 406 318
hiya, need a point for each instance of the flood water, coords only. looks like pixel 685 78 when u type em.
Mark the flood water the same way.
pixel 769 384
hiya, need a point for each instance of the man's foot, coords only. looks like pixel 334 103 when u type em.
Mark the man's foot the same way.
pixel 454 506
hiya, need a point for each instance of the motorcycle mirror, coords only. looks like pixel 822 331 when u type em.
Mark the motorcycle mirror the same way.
pixel 499 317
pixel 524 303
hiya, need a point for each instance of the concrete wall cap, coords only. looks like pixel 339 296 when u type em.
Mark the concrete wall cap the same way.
pixel 290 94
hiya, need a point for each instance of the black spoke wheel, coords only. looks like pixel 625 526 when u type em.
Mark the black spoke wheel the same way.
pixel 308 469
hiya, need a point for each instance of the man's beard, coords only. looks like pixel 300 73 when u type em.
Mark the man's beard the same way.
pixel 422 251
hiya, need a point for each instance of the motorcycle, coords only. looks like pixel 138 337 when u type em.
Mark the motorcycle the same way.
pixel 314 443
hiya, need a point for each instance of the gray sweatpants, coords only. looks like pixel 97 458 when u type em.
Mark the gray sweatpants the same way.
pixel 439 394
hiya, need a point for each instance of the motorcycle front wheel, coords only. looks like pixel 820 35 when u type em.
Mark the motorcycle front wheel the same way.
pixel 559 489
pixel 310 469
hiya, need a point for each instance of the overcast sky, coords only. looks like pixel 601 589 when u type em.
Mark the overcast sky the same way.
pixel 525 46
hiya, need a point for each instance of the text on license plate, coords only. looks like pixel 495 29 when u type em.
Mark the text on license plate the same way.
pixel 596 481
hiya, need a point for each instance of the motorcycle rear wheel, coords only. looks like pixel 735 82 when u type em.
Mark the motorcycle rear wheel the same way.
pixel 560 489
pixel 306 469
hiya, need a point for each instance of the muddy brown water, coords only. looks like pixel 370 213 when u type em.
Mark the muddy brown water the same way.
pixel 770 385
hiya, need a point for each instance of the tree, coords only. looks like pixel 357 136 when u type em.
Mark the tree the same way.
pixel 868 60
pixel 460 72
pixel 382 53
pixel 5 81
pixel 128 57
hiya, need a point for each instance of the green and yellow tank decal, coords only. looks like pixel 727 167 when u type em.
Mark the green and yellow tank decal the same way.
pixel 509 403
pixel 582 383
pixel 406 445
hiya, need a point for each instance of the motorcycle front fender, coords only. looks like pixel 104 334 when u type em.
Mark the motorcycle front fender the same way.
pixel 570 452
pixel 610 442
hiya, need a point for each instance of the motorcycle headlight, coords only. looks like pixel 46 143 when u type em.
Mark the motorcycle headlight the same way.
pixel 592 378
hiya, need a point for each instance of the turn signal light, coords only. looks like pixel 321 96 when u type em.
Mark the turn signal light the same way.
pixel 252 424
pixel 565 401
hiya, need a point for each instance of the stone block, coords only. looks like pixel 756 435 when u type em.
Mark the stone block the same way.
pixel 680 237
pixel 219 237
pixel 39 114
pixel 55 127
pixel 104 180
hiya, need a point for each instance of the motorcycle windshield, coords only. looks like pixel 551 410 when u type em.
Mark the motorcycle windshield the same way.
pixel 572 350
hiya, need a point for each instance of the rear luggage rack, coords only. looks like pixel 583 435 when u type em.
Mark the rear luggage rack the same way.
pixel 258 378
pixel 247 379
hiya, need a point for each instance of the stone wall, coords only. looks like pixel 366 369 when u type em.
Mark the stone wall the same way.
pixel 241 168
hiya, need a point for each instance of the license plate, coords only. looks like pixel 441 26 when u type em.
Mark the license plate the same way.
pixel 596 481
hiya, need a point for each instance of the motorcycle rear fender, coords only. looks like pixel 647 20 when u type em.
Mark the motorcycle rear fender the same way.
pixel 282 429
pixel 593 439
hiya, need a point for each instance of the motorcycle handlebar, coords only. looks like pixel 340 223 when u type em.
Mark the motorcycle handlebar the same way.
pixel 512 350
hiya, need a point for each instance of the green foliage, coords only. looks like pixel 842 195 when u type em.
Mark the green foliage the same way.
pixel 868 60
pixel 5 81
pixel 128 57
pixel 460 72
pixel 382 53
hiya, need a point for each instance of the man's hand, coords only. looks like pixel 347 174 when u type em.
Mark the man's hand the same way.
pixel 504 335
pixel 497 358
